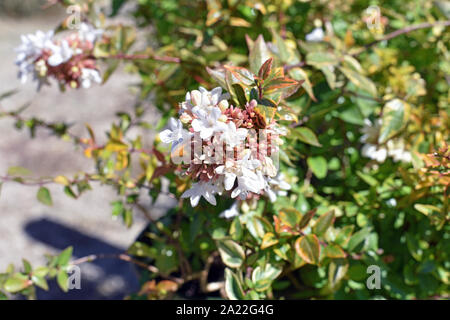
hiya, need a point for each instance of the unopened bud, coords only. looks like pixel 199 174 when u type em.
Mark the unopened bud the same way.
pixel 75 69
pixel 185 117
pixel 223 105
pixel 196 97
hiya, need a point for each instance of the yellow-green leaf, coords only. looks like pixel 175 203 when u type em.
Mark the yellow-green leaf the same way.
pixel 323 223
pixel 268 240
pixel 44 196
pixel 334 251
pixel 232 253
pixel 306 135
pixel 395 115
pixel 308 248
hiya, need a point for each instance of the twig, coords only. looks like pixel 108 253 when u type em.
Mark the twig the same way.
pixel 399 32
pixel 123 56
pixel 204 275
pixel 127 258
pixel 389 36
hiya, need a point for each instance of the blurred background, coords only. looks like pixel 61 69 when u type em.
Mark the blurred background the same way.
pixel 28 228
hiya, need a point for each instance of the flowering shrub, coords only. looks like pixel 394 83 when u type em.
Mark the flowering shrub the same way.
pixel 305 143
pixel 68 60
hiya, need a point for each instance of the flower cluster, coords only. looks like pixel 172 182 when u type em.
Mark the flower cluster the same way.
pixel 394 148
pixel 226 149
pixel 68 60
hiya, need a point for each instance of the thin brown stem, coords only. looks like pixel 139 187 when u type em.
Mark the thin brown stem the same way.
pixel 123 56
pixel 399 32
pixel 127 258
pixel 387 37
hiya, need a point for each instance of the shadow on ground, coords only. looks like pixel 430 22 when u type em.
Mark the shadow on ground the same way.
pixel 100 279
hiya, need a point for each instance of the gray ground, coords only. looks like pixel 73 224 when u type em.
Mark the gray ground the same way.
pixel 30 229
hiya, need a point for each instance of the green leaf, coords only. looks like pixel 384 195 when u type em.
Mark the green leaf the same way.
pixel 26 266
pixel 18 172
pixel 426 209
pixel 44 196
pixel 233 287
pixel 306 135
pixel 395 115
pixel 299 74
pixel 307 218
pixel 336 271
pixel 321 59
pixel 64 257
pixel 323 223
pixel 263 277
pixel 259 53
pixel 283 50
pixel 371 181
pixel 112 66
pixel 344 235
pixel 236 229
pixel 290 216
pixel 232 253
pixel 17 282
pixel 334 251
pixel 318 166
pixel 360 81
pixel 41 282
pixel 116 5
pixel 308 248
pixel 358 238
pixel 268 240
pixel 69 192
pixel 219 76
pixel 240 94
pixel 41 271
pixel 330 75
pixel 141 249
pixel 265 69
pixel 127 216
pixel 63 280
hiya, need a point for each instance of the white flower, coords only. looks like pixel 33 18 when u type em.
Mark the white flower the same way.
pixel 88 76
pixel 242 171
pixel 276 187
pixel 396 150
pixel 316 35
pixel 203 99
pixel 29 51
pixel 61 53
pixel 378 153
pixel 88 33
pixel 232 136
pixel 231 212
pixel 207 121
pixel 370 131
pixel 175 135
pixel 391 202
pixel 201 189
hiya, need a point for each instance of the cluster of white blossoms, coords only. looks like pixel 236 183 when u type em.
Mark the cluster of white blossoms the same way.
pixel 225 149
pixel 315 35
pixel 68 60
pixel 394 148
